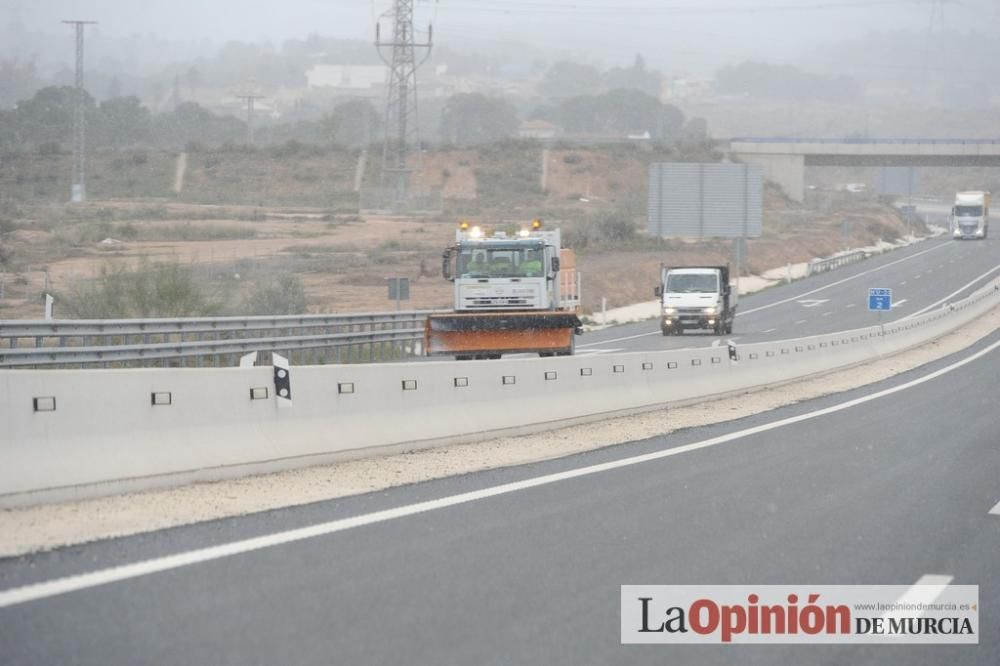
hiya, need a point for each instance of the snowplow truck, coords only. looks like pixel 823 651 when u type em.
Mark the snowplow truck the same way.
pixel 514 293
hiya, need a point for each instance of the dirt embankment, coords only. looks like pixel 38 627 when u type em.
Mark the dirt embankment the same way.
pixel 242 217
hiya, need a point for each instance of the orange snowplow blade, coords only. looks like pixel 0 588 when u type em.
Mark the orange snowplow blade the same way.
pixel 495 333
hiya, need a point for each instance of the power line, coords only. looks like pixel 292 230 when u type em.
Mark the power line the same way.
pixel 78 191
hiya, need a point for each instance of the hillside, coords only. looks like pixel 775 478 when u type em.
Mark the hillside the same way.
pixel 242 217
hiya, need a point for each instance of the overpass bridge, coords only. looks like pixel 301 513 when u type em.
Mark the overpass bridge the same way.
pixel 784 159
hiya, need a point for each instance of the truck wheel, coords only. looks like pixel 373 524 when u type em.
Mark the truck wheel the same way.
pixel 666 331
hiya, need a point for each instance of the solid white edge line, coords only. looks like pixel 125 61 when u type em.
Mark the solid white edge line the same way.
pixel 924 591
pixel 787 300
pixel 20 595
pixel 847 279
pixel 957 291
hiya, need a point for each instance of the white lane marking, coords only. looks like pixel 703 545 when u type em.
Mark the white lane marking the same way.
pixel 812 302
pixel 851 305
pixel 800 321
pixel 770 330
pixel 20 595
pixel 917 276
pixel 956 292
pixel 787 300
pixel 847 279
pixel 924 591
pixel 903 283
pixel 995 511
pixel 827 314
pixel 589 352
pixel 628 337
pixel 898 303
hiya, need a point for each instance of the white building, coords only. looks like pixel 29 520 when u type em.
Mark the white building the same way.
pixel 346 77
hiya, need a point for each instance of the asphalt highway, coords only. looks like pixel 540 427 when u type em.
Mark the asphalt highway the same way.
pixel 523 565
pixel 921 276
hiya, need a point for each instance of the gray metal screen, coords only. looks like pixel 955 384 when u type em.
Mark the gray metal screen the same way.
pixel 705 200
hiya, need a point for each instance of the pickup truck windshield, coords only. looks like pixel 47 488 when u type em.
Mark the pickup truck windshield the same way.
pixel 705 283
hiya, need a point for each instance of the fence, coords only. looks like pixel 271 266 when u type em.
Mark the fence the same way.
pixel 306 339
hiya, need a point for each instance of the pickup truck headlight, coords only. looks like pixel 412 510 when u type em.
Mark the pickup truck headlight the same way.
pixel 709 310
pixel 669 311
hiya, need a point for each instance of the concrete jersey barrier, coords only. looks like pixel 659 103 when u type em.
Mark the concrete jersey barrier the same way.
pixel 78 433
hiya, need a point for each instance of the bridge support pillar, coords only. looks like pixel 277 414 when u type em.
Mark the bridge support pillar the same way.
pixel 786 171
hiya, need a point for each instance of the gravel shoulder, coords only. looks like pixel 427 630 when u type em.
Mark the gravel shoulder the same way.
pixel 32 529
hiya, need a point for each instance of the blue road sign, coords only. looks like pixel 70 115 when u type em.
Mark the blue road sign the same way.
pixel 879 299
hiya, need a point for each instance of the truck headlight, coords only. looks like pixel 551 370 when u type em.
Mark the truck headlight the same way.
pixel 709 311
pixel 669 311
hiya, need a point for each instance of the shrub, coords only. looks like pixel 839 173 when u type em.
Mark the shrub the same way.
pixel 616 226
pixel 284 295
pixel 148 290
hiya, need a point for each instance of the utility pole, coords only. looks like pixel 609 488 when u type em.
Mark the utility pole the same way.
pixel 78 192
pixel 249 97
pixel 401 99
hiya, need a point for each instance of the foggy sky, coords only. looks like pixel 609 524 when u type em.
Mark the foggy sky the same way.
pixel 678 36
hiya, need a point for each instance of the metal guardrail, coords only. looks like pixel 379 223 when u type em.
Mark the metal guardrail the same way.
pixel 824 265
pixel 307 339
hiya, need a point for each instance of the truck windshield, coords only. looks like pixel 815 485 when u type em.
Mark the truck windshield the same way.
pixel 969 211
pixel 501 262
pixel 705 283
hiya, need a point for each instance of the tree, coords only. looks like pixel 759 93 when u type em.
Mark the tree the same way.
pixel 190 122
pixel 18 80
pixel 636 77
pixel 353 123
pixel 47 118
pixel 621 112
pixel 475 118
pixel 569 79
pixel 125 121
pixel 695 131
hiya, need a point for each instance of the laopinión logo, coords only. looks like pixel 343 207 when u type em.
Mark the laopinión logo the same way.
pixel 889 614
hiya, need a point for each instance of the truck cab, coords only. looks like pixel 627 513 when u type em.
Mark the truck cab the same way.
pixel 695 297
pixel 970 216
pixel 505 273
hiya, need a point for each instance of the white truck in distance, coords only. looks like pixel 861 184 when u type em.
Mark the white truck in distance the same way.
pixel 970 217
pixel 696 297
